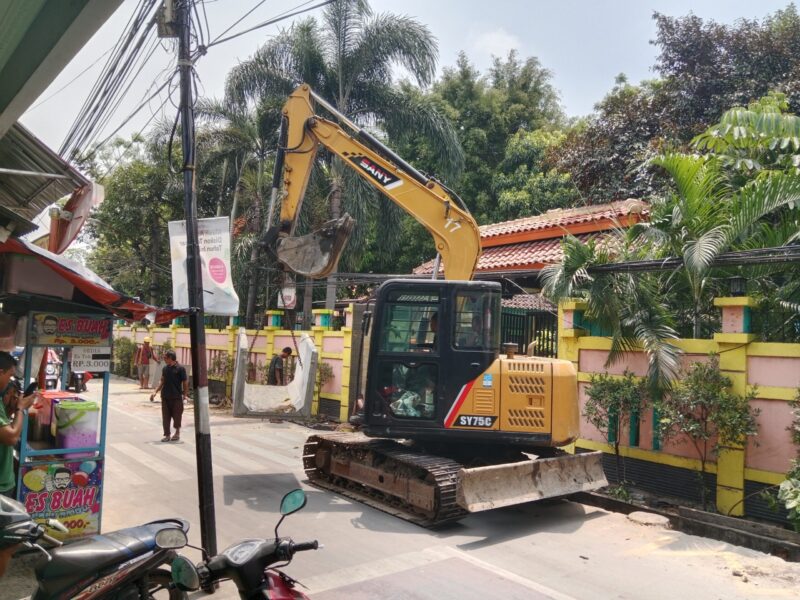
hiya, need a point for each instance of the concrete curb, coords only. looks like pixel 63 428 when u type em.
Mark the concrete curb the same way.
pixel 777 541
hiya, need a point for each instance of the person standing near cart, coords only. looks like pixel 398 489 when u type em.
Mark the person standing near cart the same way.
pixel 174 387
pixel 13 410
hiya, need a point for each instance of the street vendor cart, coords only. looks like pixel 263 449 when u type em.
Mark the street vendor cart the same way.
pixel 54 304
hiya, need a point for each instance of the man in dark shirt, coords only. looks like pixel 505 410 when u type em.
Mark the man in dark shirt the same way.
pixel 174 387
pixel 276 373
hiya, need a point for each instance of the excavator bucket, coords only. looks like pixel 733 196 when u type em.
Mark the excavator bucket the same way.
pixel 484 488
pixel 316 255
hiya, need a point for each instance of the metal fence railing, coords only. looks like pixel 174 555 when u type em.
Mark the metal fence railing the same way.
pixel 530 326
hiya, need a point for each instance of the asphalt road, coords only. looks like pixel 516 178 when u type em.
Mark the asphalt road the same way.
pixel 556 551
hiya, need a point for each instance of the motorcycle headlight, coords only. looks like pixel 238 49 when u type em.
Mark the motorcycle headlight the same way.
pixel 184 574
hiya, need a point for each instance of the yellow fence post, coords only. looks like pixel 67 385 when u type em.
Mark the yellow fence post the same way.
pixel 230 362
pixel 347 342
pixel 732 350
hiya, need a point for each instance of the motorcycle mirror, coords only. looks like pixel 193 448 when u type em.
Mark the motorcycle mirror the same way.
pixel 293 501
pixel 171 539
pixel 184 574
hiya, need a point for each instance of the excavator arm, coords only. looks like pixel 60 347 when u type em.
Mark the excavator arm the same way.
pixel 442 213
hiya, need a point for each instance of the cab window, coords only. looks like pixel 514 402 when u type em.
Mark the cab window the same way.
pixel 477 325
pixel 408 389
pixel 410 322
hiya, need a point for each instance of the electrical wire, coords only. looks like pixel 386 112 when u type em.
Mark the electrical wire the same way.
pixel 69 83
pixel 281 17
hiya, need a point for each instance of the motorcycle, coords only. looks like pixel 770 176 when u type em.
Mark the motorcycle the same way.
pixel 250 563
pixel 121 565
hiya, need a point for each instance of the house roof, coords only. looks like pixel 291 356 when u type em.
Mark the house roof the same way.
pixel 531 243
pixel 529 302
pixel 554 223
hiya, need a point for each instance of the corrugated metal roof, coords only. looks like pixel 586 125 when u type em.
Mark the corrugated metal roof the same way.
pixel 25 196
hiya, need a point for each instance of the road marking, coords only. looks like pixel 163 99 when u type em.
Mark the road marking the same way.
pixel 233 457
pixel 112 465
pixel 189 458
pixel 414 560
pixel 159 466
pixel 253 450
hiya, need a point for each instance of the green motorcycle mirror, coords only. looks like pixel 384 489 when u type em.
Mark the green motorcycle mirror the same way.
pixel 291 503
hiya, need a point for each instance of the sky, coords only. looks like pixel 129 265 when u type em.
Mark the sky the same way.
pixel 584 43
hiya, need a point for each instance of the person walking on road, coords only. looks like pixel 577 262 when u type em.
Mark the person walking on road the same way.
pixel 276 375
pixel 174 387
pixel 144 354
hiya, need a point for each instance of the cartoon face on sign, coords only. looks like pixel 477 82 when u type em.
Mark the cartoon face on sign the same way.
pixel 49 325
pixel 61 478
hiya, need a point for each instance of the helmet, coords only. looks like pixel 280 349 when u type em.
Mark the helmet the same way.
pixel 16 525
pixel 147 340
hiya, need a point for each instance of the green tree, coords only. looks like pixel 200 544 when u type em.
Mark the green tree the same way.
pixel 524 184
pixel 130 225
pixel 348 59
pixel 516 96
pixel 707 67
pixel 605 153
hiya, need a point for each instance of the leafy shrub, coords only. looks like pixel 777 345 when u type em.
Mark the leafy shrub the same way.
pixel 702 407
pixel 124 353
pixel 612 404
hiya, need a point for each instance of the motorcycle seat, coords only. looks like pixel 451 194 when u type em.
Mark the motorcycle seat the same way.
pixel 87 558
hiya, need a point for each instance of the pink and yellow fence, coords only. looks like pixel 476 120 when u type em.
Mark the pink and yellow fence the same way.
pixel 772 370
pixel 334 347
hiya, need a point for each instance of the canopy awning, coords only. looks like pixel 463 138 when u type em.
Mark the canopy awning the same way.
pixel 91 285
pixel 32 177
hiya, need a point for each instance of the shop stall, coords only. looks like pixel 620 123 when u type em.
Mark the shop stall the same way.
pixel 53 305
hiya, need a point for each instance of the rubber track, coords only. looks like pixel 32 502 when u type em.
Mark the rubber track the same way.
pixel 442 471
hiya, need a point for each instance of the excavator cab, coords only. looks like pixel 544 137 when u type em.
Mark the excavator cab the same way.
pixel 430 340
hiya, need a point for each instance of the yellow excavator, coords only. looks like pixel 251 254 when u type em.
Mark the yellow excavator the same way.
pixel 450 425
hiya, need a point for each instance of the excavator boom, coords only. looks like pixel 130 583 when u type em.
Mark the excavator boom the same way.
pixel 454 231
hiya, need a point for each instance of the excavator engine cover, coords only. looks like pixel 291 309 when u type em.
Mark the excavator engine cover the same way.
pixel 317 254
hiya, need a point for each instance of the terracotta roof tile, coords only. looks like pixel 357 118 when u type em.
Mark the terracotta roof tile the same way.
pixel 560 218
pixel 529 302
pixel 515 256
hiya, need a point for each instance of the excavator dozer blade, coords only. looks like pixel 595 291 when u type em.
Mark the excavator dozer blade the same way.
pixel 316 255
pixel 484 488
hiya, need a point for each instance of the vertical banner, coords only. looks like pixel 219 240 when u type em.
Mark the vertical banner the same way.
pixel 68 491
pixel 214 237
pixel 287 296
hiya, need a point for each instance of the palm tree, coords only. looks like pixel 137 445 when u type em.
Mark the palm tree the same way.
pixel 241 137
pixel 702 218
pixel 348 59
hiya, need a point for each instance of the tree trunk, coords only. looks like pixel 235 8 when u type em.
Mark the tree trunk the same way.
pixel 308 303
pixel 252 286
pixel 336 212
pixel 222 187
pixel 155 254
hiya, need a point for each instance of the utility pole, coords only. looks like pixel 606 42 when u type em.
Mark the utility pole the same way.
pixel 205 481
